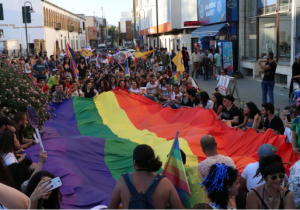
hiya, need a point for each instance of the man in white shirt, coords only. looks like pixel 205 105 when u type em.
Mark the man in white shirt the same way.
pixel 247 180
pixel 211 57
pixel 209 148
pixel 152 89
pixel 196 60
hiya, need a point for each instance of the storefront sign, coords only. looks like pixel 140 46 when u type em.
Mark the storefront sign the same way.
pixel 215 11
pixel 191 23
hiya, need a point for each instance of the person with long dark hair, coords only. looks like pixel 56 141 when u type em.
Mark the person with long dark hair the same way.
pixel 67 65
pixel 252 117
pixel 113 83
pixel 103 87
pixel 82 67
pixel 143 178
pixel 205 101
pixel 10 198
pixel 39 197
pixel 122 86
pixel 218 103
pixel 9 144
pixel 222 185
pixel 270 195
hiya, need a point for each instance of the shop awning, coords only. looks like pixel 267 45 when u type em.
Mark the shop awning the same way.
pixel 207 31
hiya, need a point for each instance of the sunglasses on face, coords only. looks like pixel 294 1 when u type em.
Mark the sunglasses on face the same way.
pixel 222 72
pixel 281 176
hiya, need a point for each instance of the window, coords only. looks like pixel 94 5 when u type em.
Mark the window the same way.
pixel 91 33
pixel 250 8
pixel 267 35
pixel 28 14
pixel 284 5
pixel 83 26
pixel 1 12
pixel 285 36
pixel 266 6
pixel 250 38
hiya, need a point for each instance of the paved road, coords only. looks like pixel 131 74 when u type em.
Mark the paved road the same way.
pixel 249 90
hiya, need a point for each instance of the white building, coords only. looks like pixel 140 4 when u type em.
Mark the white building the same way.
pixel 125 16
pixel 49 26
pixel 171 17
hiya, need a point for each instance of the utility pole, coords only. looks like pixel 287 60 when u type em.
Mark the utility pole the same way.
pixel 157 24
pixel 134 20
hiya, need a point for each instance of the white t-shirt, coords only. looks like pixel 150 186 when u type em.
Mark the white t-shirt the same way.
pixel 248 174
pixel 137 91
pixel 152 88
pixel 9 159
pixel 105 61
pixel 209 105
pixel 76 93
pixel 174 98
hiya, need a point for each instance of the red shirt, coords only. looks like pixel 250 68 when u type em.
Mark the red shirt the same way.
pixel 45 88
pixel 170 73
pixel 118 88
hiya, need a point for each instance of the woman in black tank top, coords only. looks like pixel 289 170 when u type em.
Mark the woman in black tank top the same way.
pixel 270 195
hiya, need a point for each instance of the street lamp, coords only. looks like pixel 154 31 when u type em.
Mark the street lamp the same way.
pixel 30 11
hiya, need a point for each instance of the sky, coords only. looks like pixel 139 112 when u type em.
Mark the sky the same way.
pixel 112 8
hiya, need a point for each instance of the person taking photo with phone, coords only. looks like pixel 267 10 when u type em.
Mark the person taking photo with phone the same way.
pixel 39 196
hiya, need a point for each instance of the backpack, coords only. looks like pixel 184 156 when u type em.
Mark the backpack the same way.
pixel 139 200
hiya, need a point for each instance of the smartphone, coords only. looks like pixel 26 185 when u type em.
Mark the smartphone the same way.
pixel 288 117
pixel 55 182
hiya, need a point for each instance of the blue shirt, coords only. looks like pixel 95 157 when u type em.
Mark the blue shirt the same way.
pixel 40 67
pixel 52 65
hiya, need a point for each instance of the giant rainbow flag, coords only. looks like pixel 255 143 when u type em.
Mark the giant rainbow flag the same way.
pixel 90 142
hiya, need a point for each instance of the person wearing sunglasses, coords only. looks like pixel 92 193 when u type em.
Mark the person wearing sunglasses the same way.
pixel 223 72
pixel 270 195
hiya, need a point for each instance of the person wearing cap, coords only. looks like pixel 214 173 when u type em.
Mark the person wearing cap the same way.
pixel 54 79
pixel 247 180
pixel 230 111
pixel 6 124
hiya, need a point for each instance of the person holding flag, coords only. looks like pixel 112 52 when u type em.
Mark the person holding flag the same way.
pixel 143 188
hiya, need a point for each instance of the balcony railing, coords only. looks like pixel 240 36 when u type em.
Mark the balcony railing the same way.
pixel 57 26
pixel 80 30
pixel 71 28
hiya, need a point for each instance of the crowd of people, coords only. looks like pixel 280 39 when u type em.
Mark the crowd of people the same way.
pixel 263 184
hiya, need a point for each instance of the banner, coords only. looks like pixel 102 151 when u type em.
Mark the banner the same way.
pixel 223 84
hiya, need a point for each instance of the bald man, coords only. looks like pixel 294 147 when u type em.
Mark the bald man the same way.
pixel 209 148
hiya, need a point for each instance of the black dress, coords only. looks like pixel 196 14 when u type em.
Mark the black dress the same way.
pixel 90 94
pixel 82 71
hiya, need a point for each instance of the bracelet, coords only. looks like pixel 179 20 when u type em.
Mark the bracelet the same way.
pixel 41 162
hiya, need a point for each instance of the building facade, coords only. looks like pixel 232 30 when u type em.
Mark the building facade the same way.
pixel 96 30
pixel 172 14
pixel 268 26
pixel 47 27
pixel 126 30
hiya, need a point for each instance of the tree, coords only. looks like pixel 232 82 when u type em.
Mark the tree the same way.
pixel 17 91
pixel 113 32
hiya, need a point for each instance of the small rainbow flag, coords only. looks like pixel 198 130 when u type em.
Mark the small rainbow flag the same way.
pixel 175 172
pixel 70 54
pixel 137 49
pixel 127 74
pixel 174 78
